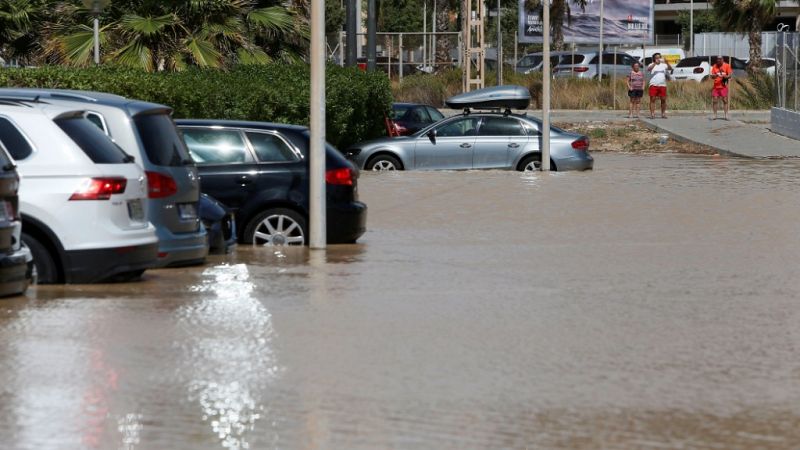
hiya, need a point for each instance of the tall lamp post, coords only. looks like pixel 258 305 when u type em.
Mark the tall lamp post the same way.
pixel 96 8
pixel 691 28
pixel 545 165
pixel 317 223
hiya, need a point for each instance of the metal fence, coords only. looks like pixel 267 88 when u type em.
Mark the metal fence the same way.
pixel 787 64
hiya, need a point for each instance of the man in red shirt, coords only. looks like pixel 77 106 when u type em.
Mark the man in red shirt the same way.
pixel 721 74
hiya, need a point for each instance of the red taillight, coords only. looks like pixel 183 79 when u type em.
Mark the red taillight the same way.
pixel 160 185
pixel 580 69
pixel 698 70
pixel 100 189
pixel 581 145
pixel 341 177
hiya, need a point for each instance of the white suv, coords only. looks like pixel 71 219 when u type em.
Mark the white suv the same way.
pixel 82 200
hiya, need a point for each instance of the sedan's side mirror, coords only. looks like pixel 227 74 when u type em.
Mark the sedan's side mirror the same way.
pixel 432 136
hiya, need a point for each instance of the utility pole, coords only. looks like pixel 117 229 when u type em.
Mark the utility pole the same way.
pixel 372 42
pixel 352 30
pixel 424 34
pixel 317 220
pixel 600 59
pixel 499 47
pixel 545 164
pixel 433 38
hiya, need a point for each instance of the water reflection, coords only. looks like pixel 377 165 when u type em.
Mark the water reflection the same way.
pixel 228 355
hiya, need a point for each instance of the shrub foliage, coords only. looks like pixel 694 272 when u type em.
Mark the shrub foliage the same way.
pixel 356 101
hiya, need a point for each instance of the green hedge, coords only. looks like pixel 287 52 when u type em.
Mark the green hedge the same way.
pixel 356 101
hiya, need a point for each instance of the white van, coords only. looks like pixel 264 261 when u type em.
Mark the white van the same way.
pixel 671 54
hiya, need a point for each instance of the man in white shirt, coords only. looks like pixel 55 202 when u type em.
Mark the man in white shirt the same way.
pixel 658 70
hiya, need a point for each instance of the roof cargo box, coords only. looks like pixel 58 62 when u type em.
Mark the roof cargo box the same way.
pixel 497 97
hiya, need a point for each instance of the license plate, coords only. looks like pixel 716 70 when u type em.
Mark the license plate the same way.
pixel 187 211
pixel 136 210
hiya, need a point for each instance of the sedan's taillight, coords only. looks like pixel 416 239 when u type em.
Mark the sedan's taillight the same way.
pixel 100 188
pixel 580 69
pixel 160 185
pixel 581 144
pixel 698 70
pixel 341 177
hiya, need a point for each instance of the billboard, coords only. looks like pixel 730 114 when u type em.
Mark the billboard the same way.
pixel 624 22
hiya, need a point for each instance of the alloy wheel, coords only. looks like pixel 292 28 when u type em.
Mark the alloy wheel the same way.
pixel 383 165
pixel 278 229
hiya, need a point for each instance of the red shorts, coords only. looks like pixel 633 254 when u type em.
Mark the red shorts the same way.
pixel 720 91
pixel 658 91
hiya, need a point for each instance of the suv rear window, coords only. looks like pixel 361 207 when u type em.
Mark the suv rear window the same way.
pixel 97 146
pixel 13 140
pixel 691 62
pixel 162 143
pixel 572 59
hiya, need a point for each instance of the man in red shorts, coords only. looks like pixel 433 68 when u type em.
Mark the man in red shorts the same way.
pixel 659 73
pixel 721 74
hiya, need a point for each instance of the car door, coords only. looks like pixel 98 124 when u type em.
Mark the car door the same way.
pixel 498 138
pixel 450 146
pixel 226 165
pixel 279 164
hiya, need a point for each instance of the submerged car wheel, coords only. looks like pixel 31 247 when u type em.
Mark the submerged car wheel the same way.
pixel 276 227
pixel 532 164
pixel 44 270
pixel 384 162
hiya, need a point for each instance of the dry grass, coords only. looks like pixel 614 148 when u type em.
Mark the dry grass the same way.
pixel 573 93
pixel 631 137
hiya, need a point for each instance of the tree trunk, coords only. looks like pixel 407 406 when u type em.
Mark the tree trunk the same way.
pixel 754 36
pixel 444 44
pixel 558 10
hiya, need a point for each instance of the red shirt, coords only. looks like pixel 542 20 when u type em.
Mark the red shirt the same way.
pixel 724 70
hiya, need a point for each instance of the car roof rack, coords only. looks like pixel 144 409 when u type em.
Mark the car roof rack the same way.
pixel 20 101
pixel 496 99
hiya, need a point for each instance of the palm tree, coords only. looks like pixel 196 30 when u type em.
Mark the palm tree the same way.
pixel 16 18
pixel 747 16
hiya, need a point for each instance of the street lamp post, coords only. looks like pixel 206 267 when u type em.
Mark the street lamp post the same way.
pixel 691 27
pixel 317 221
pixel 545 164
pixel 96 8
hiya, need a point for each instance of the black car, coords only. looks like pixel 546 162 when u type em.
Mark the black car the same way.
pixel 408 118
pixel 260 171
pixel 15 270
pixel 219 223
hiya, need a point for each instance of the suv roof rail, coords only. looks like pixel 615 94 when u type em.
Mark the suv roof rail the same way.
pixel 72 95
pixel 19 101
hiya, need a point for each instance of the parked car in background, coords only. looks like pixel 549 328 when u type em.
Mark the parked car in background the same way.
pixel 768 65
pixel 82 199
pixel 408 118
pixel 532 62
pixel 260 171
pixel 14 257
pixel 475 141
pixel 587 64
pixel 219 223
pixel 672 55
pixel 146 131
pixel 698 68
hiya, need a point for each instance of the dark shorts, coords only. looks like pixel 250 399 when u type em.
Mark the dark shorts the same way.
pixel 636 93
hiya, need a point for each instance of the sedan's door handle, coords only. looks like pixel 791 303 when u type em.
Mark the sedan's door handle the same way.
pixel 513 145
pixel 244 179
pixel 465 145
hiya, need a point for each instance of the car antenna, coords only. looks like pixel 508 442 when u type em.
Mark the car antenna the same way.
pixel 466 111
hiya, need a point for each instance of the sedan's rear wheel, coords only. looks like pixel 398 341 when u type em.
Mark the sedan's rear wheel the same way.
pixel 277 227
pixel 533 163
pixel 384 162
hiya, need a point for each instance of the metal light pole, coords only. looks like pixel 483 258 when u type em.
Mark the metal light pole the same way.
pixel 433 38
pixel 317 223
pixel 424 34
pixel 600 59
pixel 96 8
pixel 545 165
pixel 372 28
pixel 691 27
pixel 499 48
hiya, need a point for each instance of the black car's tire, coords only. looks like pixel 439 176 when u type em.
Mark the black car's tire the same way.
pixel 290 228
pixel 46 269
pixel 384 162
pixel 536 160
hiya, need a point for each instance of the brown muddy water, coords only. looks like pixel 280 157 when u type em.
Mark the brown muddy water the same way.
pixel 652 303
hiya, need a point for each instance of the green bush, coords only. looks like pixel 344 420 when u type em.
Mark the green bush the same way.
pixel 355 101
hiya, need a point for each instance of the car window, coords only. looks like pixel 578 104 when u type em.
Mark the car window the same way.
pixel 691 62
pixel 460 127
pixel 530 61
pixel 270 148
pixel 572 59
pixel 13 140
pixel 531 129
pixel 398 111
pixel 209 146
pixel 97 146
pixel 162 143
pixel 738 64
pixel 627 60
pixel 435 114
pixel 501 126
pixel 613 58
pixel 97 119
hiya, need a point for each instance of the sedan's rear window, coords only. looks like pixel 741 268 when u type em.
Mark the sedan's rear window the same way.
pixel 97 146
pixel 162 143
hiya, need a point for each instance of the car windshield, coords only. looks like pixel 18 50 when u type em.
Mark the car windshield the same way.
pixel 530 61
pixel 97 146
pixel 161 141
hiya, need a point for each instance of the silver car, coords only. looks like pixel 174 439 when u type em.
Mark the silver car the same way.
pixel 587 64
pixel 475 141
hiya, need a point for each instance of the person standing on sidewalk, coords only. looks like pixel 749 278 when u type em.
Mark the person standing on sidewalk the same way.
pixel 635 89
pixel 659 73
pixel 721 73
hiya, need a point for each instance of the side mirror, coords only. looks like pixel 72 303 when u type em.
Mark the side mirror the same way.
pixel 432 136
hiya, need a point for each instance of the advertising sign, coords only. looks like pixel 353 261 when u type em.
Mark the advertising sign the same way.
pixel 624 22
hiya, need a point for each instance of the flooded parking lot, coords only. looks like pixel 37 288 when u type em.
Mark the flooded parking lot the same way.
pixel 651 303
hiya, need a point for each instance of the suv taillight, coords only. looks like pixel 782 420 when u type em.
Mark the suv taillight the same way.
pixel 581 144
pixel 341 177
pixel 100 188
pixel 160 185
pixel 580 69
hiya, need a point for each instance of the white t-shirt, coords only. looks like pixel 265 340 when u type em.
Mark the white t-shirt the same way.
pixel 658 75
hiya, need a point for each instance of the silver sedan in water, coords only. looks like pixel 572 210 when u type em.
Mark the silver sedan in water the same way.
pixel 475 141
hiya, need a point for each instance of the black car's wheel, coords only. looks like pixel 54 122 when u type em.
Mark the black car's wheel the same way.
pixel 278 226
pixel 532 164
pixel 384 162
pixel 44 269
